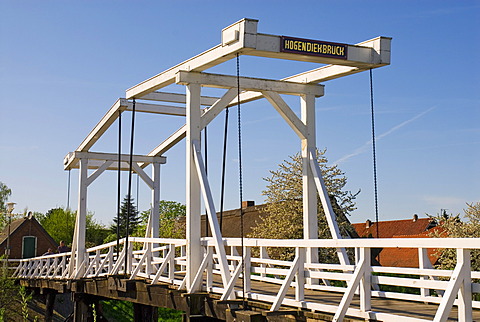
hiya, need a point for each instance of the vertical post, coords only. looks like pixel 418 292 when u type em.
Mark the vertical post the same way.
pixel 49 304
pixel 78 251
pixel 247 257
pixel 263 255
pixel 365 282
pixel 465 312
pixel 300 276
pixel 423 262
pixel 194 251
pixel 155 219
pixel 310 220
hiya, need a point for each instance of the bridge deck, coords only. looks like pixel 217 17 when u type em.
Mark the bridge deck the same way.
pixel 157 273
pixel 167 295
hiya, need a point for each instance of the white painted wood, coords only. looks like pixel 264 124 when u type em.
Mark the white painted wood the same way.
pixel 170 142
pixel 136 168
pixel 327 206
pixel 209 114
pixel 465 313
pixel 196 285
pixel 455 283
pixel 78 247
pixel 155 211
pixel 288 115
pixel 310 210
pixel 231 283
pixel 193 204
pixel 251 43
pixel 247 83
pixel 353 284
pixel 157 109
pixel 300 276
pixel 365 282
pixel 247 258
pixel 163 266
pixel 71 160
pixel 177 98
pixel 98 172
pixel 286 284
pixel 103 125
pixel 211 213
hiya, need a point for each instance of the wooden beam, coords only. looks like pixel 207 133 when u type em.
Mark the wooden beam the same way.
pixel 96 159
pixel 368 54
pixel 247 83
pixel 177 98
pixel 106 121
pixel 157 109
pixel 288 115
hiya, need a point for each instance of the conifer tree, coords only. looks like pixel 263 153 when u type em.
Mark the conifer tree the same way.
pixel 132 215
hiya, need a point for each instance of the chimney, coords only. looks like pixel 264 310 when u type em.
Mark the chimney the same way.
pixel 415 217
pixel 248 203
pixel 368 224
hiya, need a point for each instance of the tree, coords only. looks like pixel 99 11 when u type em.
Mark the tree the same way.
pixel 5 192
pixel 453 226
pixel 60 224
pixel 121 222
pixel 283 215
pixel 170 226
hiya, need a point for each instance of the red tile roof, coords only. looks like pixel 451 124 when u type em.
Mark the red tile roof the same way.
pixel 408 228
pixel 392 228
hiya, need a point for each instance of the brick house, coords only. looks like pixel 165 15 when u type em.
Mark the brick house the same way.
pixel 407 228
pixel 27 238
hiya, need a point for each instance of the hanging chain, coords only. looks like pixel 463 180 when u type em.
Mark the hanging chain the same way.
pixel 374 152
pixel 240 179
pixel 129 205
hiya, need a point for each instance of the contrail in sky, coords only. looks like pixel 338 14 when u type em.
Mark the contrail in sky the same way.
pixel 367 144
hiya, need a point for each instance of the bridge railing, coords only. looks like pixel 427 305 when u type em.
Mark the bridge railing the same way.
pixel 163 260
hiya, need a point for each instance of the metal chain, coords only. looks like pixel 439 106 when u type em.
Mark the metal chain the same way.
pixel 240 178
pixel 129 187
pixel 374 152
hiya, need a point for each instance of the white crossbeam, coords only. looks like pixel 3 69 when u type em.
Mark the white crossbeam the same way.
pixel 369 54
pixel 157 109
pixel 247 83
pixel 177 98
pixel 71 160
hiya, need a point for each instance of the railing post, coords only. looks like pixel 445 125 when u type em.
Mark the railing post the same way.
pixel 209 283
pixel 110 259
pixel 148 259
pixel 365 282
pixel 423 262
pixel 247 255
pixel 129 253
pixel 171 263
pixel 300 276
pixel 263 255
pixel 465 313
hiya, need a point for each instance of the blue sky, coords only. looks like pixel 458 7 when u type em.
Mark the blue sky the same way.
pixel 63 64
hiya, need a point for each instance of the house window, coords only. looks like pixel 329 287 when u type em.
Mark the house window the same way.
pixel 29 246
